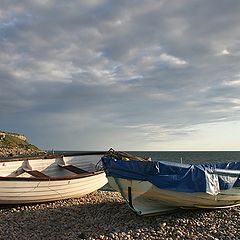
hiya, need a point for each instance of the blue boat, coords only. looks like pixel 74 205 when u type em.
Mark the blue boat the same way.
pixel 155 187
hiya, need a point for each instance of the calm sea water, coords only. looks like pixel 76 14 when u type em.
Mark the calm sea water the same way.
pixel 188 156
pixel 193 156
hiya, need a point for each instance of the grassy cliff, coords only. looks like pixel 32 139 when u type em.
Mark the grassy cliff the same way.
pixel 13 144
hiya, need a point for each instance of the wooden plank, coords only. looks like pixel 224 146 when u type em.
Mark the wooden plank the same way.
pixel 73 169
pixel 36 174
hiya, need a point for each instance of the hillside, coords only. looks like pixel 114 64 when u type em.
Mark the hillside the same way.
pixel 12 144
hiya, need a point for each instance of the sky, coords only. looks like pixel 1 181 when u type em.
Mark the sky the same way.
pixel 132 75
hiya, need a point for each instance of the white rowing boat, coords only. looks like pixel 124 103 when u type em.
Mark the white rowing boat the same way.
pixel 49 178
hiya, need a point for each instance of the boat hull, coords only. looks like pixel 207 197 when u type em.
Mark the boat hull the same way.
pixel 146 199
pixel 20 192
pixel 54 180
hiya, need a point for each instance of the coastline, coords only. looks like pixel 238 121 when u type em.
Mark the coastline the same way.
pixel 5 152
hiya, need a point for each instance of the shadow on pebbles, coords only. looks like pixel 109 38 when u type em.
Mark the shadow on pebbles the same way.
pixel 105 215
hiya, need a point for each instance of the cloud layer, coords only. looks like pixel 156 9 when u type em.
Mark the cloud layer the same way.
pixel 128 74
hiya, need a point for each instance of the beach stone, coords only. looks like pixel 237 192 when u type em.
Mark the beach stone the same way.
pixel 110 218
pixel 163 224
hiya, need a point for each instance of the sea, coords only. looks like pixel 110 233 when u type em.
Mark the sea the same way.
pixel 191 157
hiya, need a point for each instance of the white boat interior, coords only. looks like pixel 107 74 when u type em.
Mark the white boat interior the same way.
pixel 49 178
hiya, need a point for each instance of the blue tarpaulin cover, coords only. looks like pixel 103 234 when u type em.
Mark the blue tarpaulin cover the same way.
pixel 209 178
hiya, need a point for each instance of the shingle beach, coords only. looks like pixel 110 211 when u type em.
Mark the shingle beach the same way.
pixel 105 215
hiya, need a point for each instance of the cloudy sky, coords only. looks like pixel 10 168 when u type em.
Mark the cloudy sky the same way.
pixel 133 75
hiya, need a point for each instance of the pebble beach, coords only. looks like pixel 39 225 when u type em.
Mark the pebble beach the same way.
pixel 105 215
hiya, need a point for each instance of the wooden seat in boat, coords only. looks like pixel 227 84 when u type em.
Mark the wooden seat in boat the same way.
pixel 73 169
pixel 36 173
pixel 26 167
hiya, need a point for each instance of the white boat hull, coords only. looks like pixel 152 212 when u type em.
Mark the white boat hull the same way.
pixel 146 199
pixel 18 186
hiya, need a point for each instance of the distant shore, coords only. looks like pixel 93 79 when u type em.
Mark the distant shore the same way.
pixel 6 152
pixel 15 144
